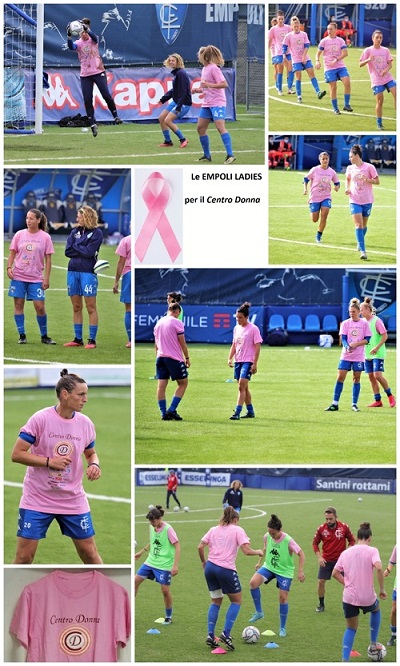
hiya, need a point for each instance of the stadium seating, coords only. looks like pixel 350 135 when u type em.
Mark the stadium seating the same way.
pixel 276 321
pixel 294 323
pixel 330 324
pixel 312 324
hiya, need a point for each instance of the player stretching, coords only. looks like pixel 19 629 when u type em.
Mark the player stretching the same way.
pixel 297 43
pixel 334 50
pixel 276 36
pixel 379 63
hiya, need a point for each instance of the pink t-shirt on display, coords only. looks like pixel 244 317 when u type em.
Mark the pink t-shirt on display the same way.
pixel 361 192
pixel 296 42
pixel 213 96
pixel 124 250
pixel 72 617
pixel 357 566
pixel 89 57
pixel 223 543
pixel 332 48
pixel 31 250
pixel 245 339
pixel 320 183
pixel 50 490
pixel 276 35
pixel 166 333
pixel 381 59
pixel 355 331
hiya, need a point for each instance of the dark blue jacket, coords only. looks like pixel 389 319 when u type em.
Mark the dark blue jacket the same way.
pixel 180 91
pixel 234 498
pixel 82 248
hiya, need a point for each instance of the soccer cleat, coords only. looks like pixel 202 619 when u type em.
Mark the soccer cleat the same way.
pixel 320 608
pixel 173 416
pixel 22 339
pixel 204 158
pixel 128 344
pixel 168 620
pixel 76 342
pixel 165 417
pixel 184 143
pixel 321 94
pixel 291 91
pixel 355 408
pixel 391 641
pixel 212 641
pixel 377 403
pixel 227 640
pixel 348 108
pixel 248 415
pixel 392 400
pixel 166 144
pixel 258 615
pixel 91 344
pixel 47 341
pixel 94 129
pixel 280 92
pixel 381 127
pixel 282 631
pixel 317 239
pixel 234 417
pixel 332 408
pixel 230 159
pixel 299 99
pixel 337 112
pixel 118 121
pixel 363 256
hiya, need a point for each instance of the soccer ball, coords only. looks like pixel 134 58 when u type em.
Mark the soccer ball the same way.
pixel 176 508
pixel 376 652
pixel 101 265
pixel 250 634
pixel 76 27
pixel 135 543
pixel 186 508
pixel 151 506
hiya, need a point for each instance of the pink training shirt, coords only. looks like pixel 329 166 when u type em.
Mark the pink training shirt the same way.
pixel 361 192
pixel 381 59
pixel 72 617
pixel 332 48
pixel 89 57
pixel 296 42
pixel 276 35
pixel 355 331
pixel 321 183
pixel 357 566
pixel 166 333
pixel 223 543
pixel 55 491
pixel 245 339
pixel 213 96
pixel 31 250
pixel 124 250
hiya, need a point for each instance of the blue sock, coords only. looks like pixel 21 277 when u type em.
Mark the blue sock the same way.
pixel 377 397
pixel 374 624
pixel 127 322
pixel 163 406
pixel 78 331
pixel 393 630
pixel 42 321
pixel 179 134
pixel 283 613
pixel 279 80
pixel 250 408
pixel 212 618
pixel 93 332
pixel 347 645
pixel 298 88
pixel 231 615
pixel 360 239
pixel 226 140
pixel 205 144
pixel 256 594
pixel 379 122
pixel 388 391
pixel 337 391
pixel 290 79
pixel 335 104
pixel 238 409
pixel 356 392
pixel 20 323
pixel 168 612
pixel 167 135
pixel 174 404
pixel 347 100
pixel 314 84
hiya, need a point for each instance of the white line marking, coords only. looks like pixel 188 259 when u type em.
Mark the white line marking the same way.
pixel 331 247
pixel 104 498
pixel 166 153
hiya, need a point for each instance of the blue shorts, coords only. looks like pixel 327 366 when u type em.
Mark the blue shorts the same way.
pixel 126 288
pixel 159 575
pixel 213 112
pixel 242 370
pixel 300 66
pixel 282 583
pixel 335 74
pixel 316 206
pixel 277 60
pixel 364 209
pixel 325 573
pixel 34 524
pixel 169 368
pixel 31 291
pixel 374 365
pixel 353 611
pixel 82 284
pixel 221 579
pixel 171 107
pixel 394 595
pixel 382 88
pixel 356 366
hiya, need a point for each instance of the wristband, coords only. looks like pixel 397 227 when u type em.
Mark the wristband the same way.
pixel 47 462
pixel 97 465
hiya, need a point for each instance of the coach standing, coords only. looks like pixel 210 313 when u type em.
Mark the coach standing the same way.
pixel 172 361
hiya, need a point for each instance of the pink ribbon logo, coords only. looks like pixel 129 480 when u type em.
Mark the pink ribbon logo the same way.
pixel 156 194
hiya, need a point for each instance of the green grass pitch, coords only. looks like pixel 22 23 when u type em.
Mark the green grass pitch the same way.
pixel 290 392
pixel 134 143
pixel 313 115
pixel 311 637
pixel 109 408
pixel 111 337
pixel 292 233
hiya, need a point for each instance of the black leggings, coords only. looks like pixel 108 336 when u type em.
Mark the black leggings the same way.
pixel 87 85
pixel 173 493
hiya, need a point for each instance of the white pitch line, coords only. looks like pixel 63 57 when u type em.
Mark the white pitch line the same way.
pixel 104 498
pixel 331 247
pixel 336 206
pixel 131 155
pixel 321 108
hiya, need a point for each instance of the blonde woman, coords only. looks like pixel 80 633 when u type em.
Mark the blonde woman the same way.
pixel 180 101
pixel 234 496
pixel 82 248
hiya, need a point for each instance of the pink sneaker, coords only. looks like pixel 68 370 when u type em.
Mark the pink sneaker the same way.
pixel 184 143
pixel 377 403
pixel 128 345
pixel 91 344
pixel 74 343
pixel 392 400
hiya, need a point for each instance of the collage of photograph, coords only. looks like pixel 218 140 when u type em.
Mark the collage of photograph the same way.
pixel 263 275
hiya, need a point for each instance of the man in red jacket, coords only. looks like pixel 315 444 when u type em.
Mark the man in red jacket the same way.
pixel 172 485
pixel 333 534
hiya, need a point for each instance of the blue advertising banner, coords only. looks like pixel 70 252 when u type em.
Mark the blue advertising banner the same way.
pixel 256 33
